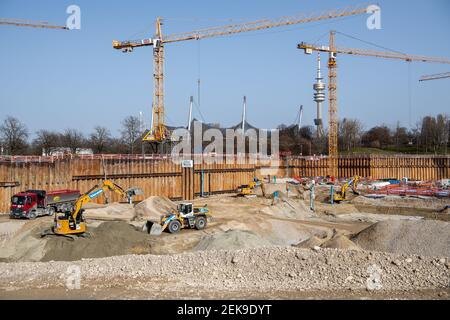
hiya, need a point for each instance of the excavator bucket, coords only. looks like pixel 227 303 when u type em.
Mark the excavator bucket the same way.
pixel 153 228
pixel 132 192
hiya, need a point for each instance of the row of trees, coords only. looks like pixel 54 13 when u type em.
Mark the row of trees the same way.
pixel 430 135
pixel 14 139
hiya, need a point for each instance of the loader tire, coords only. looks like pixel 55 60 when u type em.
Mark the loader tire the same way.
pixel 200 223
pixel 174 226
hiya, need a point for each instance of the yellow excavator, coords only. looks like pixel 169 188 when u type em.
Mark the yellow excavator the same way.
pixel 353 184
pixel 72 222
pixel 247 190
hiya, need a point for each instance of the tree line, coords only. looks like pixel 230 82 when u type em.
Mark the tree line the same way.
pixel 430 135
pixel 14 139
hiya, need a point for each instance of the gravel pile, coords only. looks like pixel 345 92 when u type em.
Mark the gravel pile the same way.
pixel 423 237
pixel 259 270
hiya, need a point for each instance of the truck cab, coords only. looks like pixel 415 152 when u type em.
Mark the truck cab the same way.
pixel 31 204
pixel 25 205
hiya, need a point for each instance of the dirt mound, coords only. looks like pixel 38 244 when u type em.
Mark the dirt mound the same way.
pixel 423 237
pixel 232 240
pixel 108 239
pixel 152 208
pixel 340 242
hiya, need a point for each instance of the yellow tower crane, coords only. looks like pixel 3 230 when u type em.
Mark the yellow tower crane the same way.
pixel 29 23
pixel 158 131
pixel 332 85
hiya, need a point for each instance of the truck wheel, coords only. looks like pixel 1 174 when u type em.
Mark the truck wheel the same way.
pixel 32 215
pixel 174 226
pixel 51 211
pixel 200 223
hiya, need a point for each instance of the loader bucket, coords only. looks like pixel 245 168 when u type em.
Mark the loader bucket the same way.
pixel 154 229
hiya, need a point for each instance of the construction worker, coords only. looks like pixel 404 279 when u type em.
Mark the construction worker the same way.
pixel 275 198
pixel 312 195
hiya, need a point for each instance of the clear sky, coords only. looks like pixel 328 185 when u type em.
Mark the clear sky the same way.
pixel 56 79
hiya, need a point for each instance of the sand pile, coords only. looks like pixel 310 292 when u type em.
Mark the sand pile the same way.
pixel 113 211
pixel 232 240
pixel 310 243
pixel 152 208
pixel 108 239
pixel 423 237
pixel 25 245
pixel 292 209
pixel 340 242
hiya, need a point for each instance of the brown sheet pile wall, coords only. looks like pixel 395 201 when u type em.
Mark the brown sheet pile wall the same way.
pixel 161 176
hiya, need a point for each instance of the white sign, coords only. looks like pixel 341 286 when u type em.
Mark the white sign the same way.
pixel 187 163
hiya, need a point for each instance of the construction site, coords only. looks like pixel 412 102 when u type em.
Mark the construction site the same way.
pixel 276 226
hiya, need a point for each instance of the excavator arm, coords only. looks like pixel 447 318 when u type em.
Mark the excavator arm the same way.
pixel 99 189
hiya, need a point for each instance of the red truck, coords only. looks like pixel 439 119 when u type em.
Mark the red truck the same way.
pixel 31 204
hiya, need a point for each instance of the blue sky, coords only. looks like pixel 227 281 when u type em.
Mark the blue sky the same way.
pixel 57 79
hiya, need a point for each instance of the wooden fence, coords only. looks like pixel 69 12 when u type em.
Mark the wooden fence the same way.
pixel 162 176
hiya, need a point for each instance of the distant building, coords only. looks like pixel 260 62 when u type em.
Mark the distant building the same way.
pixel 60 151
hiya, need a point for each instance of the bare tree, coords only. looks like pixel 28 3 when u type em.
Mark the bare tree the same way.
pixel 350 133
pixel 13 135
pixel 45 140
pixel 100 139
pixel 73 139
pixel 442 123
pixel 130 132
pixel 377 137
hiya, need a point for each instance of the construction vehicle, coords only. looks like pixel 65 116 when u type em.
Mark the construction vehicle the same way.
pixel 72 222
pixel 332 50
pixel 186 216
pixel 342 194
pixel 248 190
pixel 158 132
pixel 31 204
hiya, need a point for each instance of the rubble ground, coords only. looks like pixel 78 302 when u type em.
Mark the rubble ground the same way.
pixel 252 248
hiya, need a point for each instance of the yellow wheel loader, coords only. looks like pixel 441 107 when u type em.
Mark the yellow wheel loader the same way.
pixel 72 222
pixel 186 216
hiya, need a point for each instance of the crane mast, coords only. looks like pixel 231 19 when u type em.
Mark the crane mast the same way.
pixel 332 50
pixel 332 109
pixel 159 132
